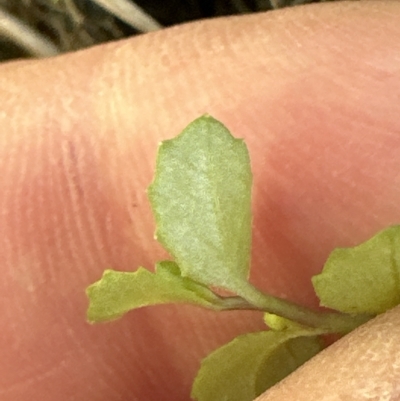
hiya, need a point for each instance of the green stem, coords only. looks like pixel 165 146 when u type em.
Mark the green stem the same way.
pixel 236 303
pixel 333 322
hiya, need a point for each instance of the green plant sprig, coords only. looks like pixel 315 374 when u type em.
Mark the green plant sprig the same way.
pixel 201 200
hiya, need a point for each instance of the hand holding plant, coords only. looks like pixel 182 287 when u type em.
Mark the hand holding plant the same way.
pixel 314 93
pixel 201 198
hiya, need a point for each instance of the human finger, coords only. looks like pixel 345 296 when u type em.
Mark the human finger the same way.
pixel 312 90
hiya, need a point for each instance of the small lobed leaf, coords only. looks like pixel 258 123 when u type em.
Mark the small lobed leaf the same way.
pixel 119 292
pixel 250 364
pixel 201 199
pixel 365 278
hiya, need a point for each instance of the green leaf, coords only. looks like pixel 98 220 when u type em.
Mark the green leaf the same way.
pixel 250 364
pixel 285 359
pixel 201 199
pixel 363 279
pixel 119 292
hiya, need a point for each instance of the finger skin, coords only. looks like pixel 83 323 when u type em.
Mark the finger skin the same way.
pixel 315 93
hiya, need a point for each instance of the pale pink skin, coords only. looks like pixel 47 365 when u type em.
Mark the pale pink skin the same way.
pixel 314 90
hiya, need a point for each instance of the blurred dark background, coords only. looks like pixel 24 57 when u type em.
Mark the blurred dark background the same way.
pixel 40 28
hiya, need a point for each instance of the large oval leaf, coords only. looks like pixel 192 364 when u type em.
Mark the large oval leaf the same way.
pixel 201 199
